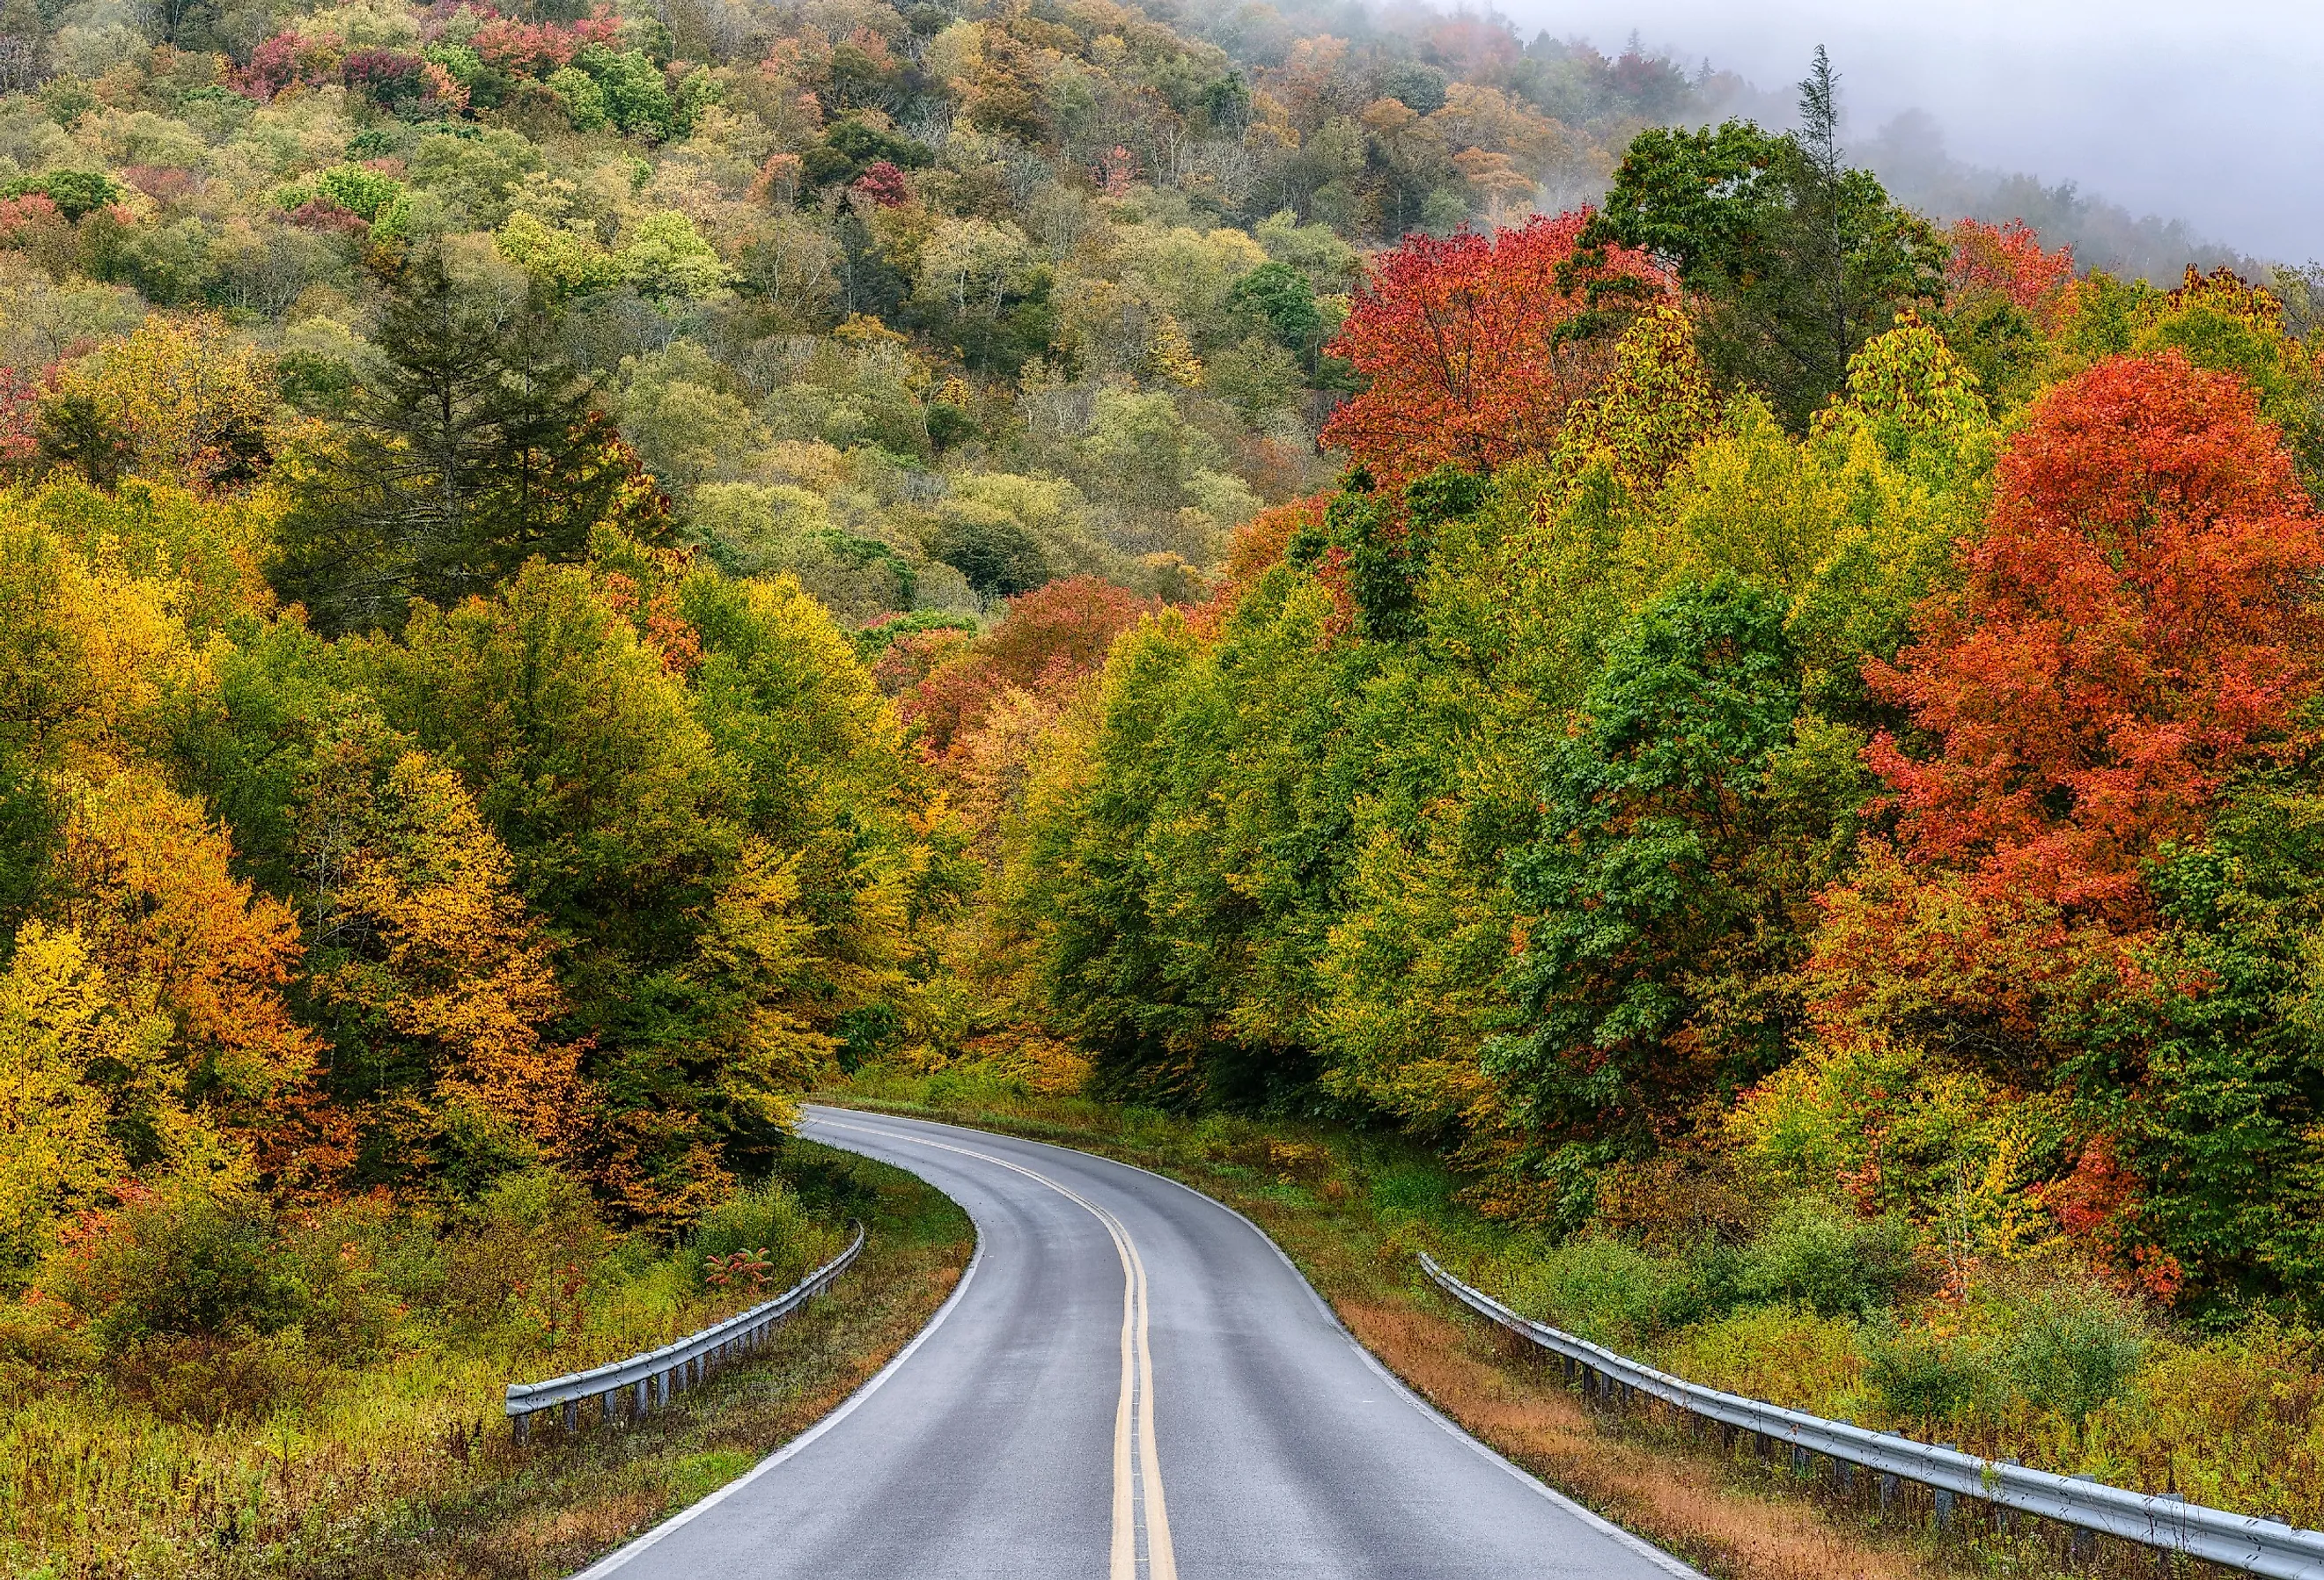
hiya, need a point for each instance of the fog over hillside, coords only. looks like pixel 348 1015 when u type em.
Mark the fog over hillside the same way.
pixel 2155 107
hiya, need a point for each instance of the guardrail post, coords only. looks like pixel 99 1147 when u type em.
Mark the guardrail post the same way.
pixel 522 1423
pixel 641 1398
pixel 1944 1499
pixel 1887 1490
pixel 2081 1542
pixel 2163 1566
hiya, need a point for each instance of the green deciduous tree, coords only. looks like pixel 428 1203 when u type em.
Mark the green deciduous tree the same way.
pixel 1644 972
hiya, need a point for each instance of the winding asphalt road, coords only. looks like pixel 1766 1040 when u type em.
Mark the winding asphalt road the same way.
pixel 1130 1380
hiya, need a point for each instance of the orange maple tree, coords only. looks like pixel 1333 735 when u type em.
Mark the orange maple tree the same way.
pixel 1050 637
pixel 2134 625
pixel 1476 346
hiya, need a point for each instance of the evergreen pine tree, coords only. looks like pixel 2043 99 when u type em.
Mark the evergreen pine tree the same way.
pixel 474 451
pixel 1799 259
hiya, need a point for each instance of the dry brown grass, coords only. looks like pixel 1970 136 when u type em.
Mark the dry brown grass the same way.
pixel 1683 1503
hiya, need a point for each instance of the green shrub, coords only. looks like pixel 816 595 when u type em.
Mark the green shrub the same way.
pixel 2073 1350
pixel 191 1267
pixel 1782 1353
pixel 1607 1292
pixel 526 1258
pixel 770 1218
pixel 206 1308
pixel 1835 1263
pixel 1919 1376
pixel 973 1086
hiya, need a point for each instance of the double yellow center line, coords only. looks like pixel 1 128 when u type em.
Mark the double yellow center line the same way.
pixel 1138 1507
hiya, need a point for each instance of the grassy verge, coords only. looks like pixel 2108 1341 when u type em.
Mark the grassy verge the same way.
pixel 1351 1211
pixel 402 1468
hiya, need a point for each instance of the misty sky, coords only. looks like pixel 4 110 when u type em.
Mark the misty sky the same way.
pixel 2212 113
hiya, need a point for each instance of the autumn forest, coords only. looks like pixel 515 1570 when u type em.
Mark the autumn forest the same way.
pixel 570 575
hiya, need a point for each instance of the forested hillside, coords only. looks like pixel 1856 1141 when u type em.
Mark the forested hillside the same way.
pixel 1888 776
pixel 462 464
pixel 564 576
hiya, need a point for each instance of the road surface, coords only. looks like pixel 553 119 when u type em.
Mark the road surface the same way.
pixel 1130 1381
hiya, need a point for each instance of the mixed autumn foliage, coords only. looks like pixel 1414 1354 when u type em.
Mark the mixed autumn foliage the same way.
pixel 649 562
pixel 1623 783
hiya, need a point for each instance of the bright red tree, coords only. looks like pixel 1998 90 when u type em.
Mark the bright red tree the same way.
pixel 1469 344
pixel 2135 624
pixel 882 183
pixel 2005 262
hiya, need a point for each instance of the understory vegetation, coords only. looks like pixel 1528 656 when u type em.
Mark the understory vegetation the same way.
pixel 316 1394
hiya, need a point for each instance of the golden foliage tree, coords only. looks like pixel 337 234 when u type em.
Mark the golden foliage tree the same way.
pixel 181 399
pixel 439 978
pixel 145 877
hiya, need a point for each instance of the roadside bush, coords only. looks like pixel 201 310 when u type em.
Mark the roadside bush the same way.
pixel 1919 1377
pixel 767 1217
pixel 207 1380
pixel 1782 1353
pixel 1607 1292
pixel 206 1308
pixel 2073 1350
pixel 194 1267
pixel 526 1260
pixel 1834 1262
pixel 356 1264
pixel 2027 1339
pixel 1421 1190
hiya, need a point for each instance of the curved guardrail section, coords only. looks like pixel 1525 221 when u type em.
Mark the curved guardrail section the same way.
pixel 2236 1541
pixel 651 1378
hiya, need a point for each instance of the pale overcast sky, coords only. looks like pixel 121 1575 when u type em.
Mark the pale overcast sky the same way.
pixel 2213 113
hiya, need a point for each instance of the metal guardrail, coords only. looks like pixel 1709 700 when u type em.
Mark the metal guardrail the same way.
pixel 2162 1520
pixel 651 1378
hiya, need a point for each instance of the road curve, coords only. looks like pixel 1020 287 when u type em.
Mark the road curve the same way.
pixel 1130 1380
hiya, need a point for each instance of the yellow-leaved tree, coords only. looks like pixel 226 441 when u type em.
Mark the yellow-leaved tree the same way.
pixel 182 400
pixel 144 875
pixel 756 962
pixel 436 981
pixel 61 1036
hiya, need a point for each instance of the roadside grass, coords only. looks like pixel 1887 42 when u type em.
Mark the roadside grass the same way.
pixel 402 1467
pixel 1352 1210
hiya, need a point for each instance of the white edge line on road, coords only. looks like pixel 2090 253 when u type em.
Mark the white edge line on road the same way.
pixel 621 1555
pixel 1638 1544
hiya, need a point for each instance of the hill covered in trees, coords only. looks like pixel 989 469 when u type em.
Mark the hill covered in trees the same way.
pixel 565 574
pixel 1780 703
